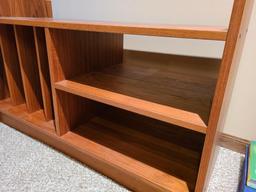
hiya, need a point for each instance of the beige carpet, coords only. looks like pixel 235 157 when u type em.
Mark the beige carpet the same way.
pixel 27 165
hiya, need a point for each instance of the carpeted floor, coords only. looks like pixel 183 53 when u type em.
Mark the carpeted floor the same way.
pixel 28 165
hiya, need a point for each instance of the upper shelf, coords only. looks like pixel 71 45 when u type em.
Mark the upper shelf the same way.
pixel 177 31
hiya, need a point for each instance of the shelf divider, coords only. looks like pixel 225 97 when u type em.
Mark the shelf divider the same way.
pixel 44 75
pixel 161 112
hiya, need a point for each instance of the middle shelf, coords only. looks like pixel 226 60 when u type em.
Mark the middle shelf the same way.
pixel 155 85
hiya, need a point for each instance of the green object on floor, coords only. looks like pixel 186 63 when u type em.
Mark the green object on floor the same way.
pixel 251 180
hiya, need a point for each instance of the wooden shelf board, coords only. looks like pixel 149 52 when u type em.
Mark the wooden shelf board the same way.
pixel 194 32
pixel 138 153
pixel 153 86
pixel 20 112
pixel 168 114
pixel 28 67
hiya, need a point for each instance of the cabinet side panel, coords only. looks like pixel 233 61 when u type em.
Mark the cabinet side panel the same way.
pixel 231 56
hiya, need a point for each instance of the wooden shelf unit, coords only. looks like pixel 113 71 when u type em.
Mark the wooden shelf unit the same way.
pixel 147 120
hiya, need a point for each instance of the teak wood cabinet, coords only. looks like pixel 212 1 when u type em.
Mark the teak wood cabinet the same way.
pixel 147 120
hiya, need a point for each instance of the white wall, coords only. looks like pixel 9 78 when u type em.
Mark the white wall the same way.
pixel 196 12
pixel 239 119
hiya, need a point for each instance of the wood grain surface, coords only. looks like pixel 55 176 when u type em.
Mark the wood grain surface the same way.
pixel 193 32
pixel 25 8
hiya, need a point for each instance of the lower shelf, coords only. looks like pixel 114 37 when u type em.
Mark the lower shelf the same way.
pixel 20 112
pixel 164 154
pixel 127 147
pixel 159 161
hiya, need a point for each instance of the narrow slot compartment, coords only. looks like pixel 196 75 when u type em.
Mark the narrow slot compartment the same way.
pixel 44 75
pixel 11 64
pixel 20 113
pixel 4 91
pixel 151 150
pixel 29 69
pixel 171 88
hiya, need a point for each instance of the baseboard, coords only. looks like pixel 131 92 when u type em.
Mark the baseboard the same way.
pixel 233 143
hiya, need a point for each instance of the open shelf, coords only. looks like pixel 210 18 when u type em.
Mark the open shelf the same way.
pixel 194 32
pixel 148 148
pixel 174 89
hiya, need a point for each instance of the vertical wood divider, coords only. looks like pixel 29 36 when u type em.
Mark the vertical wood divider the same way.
pixel 11 64
pixel 44 75
pixel 54 78
pixel 28 65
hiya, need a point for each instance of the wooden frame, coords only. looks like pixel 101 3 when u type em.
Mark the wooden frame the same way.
pixel 94 88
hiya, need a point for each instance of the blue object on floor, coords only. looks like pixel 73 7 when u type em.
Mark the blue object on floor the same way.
pixel 243 186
